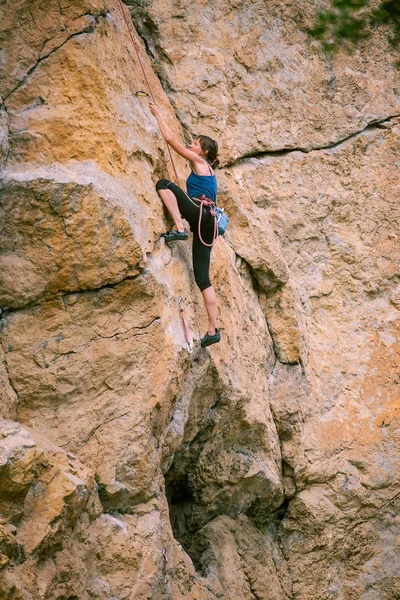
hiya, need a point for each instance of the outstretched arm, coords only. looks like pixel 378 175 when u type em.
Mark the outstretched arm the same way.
pixel 169 138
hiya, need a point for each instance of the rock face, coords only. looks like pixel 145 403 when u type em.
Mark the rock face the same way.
pixel 135 467
pixel 246 71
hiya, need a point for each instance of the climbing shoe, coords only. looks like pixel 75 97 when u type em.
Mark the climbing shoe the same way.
pixel 208 339
pixel 174 234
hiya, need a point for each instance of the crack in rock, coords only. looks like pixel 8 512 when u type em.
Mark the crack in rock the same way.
pixel 8 374
pixel 120 335
pixel 95 429
pixel 287 151
pixel 65 293
pixel 88 29
pixel 249 579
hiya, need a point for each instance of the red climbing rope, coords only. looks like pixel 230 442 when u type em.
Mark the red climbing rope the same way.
pixel 204 201
pixel 135 45
pixel 128 25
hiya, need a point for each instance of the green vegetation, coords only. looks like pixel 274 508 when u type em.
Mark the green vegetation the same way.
pixel 101 488
pixel 348 22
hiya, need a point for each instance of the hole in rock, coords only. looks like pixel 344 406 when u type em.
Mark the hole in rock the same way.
pixel 180 501
pixel 207 411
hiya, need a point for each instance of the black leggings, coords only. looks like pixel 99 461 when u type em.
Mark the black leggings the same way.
pixel 191 212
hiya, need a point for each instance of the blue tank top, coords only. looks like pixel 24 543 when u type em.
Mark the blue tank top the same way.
pixel 197 185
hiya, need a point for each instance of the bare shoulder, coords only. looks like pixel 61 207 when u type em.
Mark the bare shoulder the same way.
pixel 201 167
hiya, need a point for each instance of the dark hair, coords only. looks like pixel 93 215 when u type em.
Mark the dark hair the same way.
pixel 210 147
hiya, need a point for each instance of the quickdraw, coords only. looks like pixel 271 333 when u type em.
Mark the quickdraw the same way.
pixel 141 93
pixel 204 202
pixel 185 332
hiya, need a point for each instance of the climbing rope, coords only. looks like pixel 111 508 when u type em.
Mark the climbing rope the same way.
pixel 135 45
pixel 129 25
pixel 142 93
pixel 203 202
pixel 211 204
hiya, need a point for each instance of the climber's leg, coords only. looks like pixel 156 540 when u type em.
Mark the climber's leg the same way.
pixel 201 268
pixel 188 209
pixel 170 201
pixel 210 301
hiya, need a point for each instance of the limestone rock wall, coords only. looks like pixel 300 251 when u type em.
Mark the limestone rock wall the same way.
pixel 130 465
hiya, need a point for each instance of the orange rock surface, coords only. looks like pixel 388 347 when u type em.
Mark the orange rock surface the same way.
pixel 132 466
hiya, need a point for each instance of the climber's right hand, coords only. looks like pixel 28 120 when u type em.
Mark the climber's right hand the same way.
pixel 155 110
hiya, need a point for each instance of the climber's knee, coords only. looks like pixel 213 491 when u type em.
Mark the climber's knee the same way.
pixel 203 282
pixel 162 184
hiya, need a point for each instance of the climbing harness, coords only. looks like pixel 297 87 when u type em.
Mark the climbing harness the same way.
pixel 204 202
pixel 139 92
pixel 185 333
pixel 221 220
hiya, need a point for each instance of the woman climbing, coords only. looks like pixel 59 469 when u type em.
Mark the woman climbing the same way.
pixel 202 155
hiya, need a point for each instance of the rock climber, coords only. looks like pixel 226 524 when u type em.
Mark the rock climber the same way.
pixel 202 155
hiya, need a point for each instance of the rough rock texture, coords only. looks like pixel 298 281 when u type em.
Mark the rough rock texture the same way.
pixel 134 467
pixel 246 71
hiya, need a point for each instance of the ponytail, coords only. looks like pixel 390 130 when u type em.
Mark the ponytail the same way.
pixel 210 148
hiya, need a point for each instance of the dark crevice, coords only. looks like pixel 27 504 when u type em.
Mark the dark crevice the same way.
pixel 64 293
pixel 180 499
pixel 88 29
pixel 9 377
pixel 262 519
pixel 179 490
pixel 7 135
pixel 273 343
pixel 183 489
pixel 187 513
pixel 273 281
pixel 286 151
pixel 147 29
pixel 120 334
pixel 248 575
